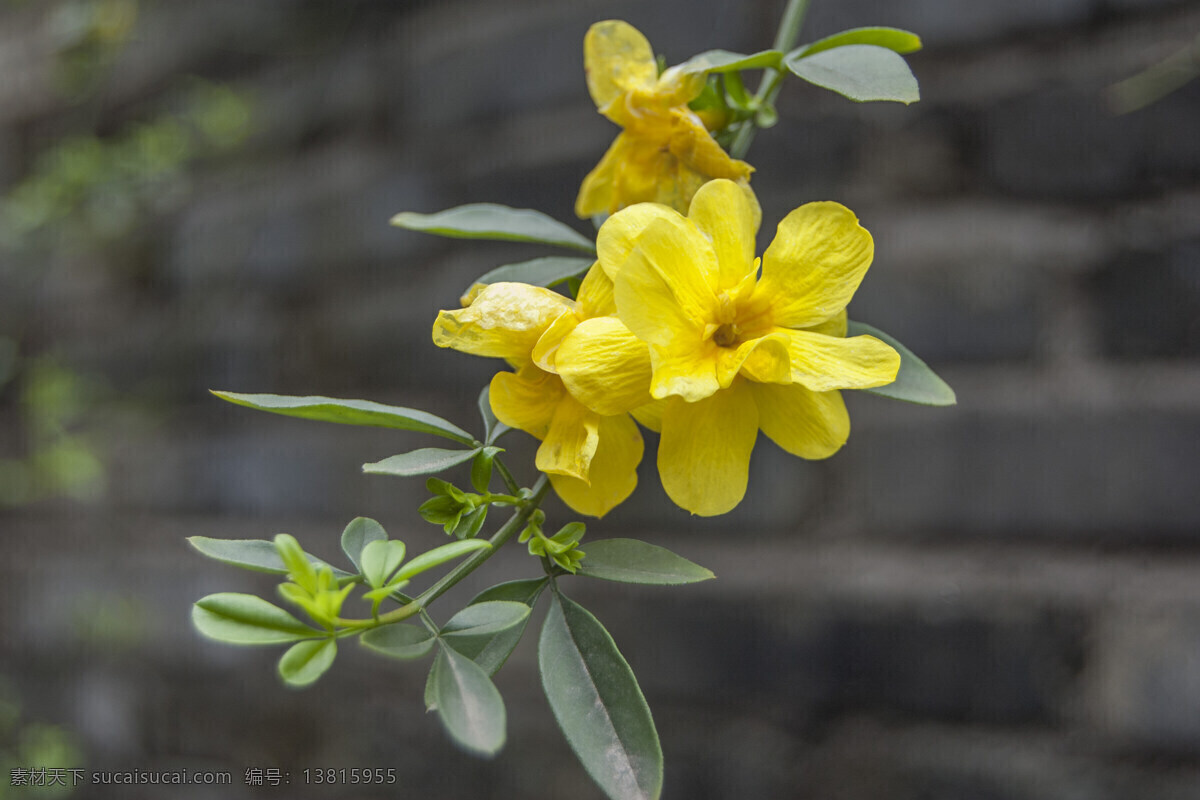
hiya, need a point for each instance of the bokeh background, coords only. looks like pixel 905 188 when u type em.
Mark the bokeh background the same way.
pixel 1000 600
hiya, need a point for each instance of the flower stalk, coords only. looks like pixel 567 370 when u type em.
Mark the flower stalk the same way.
pixel 772 79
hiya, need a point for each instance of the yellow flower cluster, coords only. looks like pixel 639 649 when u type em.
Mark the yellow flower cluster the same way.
pixel 681 326
pixel 665 153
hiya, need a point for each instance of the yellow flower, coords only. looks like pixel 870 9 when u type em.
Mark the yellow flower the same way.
pixel 664 153
pixel 591 458
pixel 726 352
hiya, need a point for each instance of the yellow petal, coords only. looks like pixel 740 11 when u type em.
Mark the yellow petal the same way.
pixel 823 363
pixel 526 400
pixel 617 58
pixel 693 145
pixel 664 289
pixel 687 369
pixel 604 366
pixel 595 297
pixel 834 326
pixel 650 415
pixel 596 191
pixel 724 212
pixel 613 471
pixel 545 351
pixel 704 453
pixel 505 320
pixel 678 88
pixel 764 359
pixel 571 441
pixel 618 235
pixel 814 265
pixel 646 172
pixel 804 423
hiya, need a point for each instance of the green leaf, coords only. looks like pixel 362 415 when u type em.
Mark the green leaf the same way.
pixel 258 555
pixel 481 468
pixel 247 619
pixel 399 641
pixel 492 221
pixel 490 423
pixel 490 652
pixel 468 703
pixel 916 382
pixel 522 591
pixel 633 561
pixel 894 39
pixel 380 559
pixel 598 704
pixel 431 686
pixel 725 61
pixel 485 619
pixel 425 461
pixel 440 555
pixel 861 72
pixel 545 271
pixel 303 663
pixel 351 412
pixel 358 534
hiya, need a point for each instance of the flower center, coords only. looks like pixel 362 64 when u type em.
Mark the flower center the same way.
pixel 726 335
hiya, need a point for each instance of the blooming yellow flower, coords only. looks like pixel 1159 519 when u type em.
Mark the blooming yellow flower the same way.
pixel 591 458
pixel 725 352
pixel 664 153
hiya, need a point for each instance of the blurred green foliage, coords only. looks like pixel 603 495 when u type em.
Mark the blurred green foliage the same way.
pixel 26 745
pixel 57 459
pixel 94 191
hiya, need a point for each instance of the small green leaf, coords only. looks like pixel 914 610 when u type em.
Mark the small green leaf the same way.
pixel 380 559
pixel 598 703
pixel 399 641
pixel 894 39
pixel 425 461
pixel 485 619
pixel 258 555
pixel 468 703
pixel 633 561
pixel 351 412
pixel 298 563
pixel 725 61
pixel 545 271
pixel 358 534
pixel 490 652
pixel 492 221
pixel 304 662
pixel 247 619
pixel 441 510
pixel 470 524
pixel 916 382
pixel 440 555
pixel 860 72
pixel 481 468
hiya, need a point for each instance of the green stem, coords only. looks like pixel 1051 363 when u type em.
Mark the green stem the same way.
pixel 772 80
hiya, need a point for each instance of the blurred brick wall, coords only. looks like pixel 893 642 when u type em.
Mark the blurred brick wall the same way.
pixel 999 600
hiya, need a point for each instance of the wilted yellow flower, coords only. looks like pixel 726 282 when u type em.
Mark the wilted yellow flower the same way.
pixel 723 351
pixel 664 153
pixel 591 458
